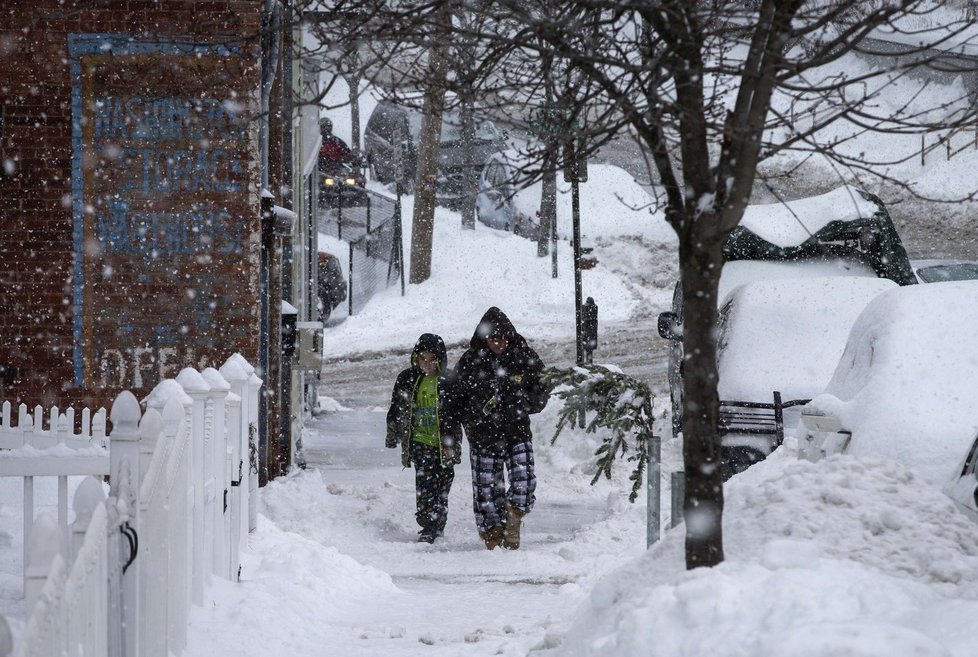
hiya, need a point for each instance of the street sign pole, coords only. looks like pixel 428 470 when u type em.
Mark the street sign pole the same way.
pixel 553 247
pixel 398 184
pixel 576 216
pixel 575 172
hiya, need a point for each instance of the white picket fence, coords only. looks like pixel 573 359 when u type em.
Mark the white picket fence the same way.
pixel 182 496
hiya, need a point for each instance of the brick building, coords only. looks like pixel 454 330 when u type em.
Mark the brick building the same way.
pixel 130 231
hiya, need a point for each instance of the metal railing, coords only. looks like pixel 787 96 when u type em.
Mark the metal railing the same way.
pixel 371 229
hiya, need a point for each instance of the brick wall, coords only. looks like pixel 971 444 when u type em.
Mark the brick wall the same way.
pixel 128 193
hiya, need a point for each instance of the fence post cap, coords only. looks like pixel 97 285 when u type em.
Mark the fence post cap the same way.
pixel 125 410
pixel 242 361
pixel 215 380
pixel 164 391
pixel 234 372
pixel 88 495
pixel 150 425
pixel 43 545
pixel 192 382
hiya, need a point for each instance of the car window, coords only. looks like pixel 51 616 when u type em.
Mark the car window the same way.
pixel 955 272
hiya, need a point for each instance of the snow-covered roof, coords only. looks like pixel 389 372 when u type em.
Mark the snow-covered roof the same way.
pixel 788 334
pixel 793 222
pixel 905 384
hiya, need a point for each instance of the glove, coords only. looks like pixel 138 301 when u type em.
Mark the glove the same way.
pixel 451 451
pixel 391 441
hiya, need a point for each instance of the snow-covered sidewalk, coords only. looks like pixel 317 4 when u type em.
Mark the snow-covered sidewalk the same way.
pixel 335 569
pixel 847 556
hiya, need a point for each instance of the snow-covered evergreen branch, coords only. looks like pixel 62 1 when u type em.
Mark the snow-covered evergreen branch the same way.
pixel 615 403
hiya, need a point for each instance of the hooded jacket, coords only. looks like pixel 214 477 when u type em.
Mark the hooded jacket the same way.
pixel 494 396
pixel 400 413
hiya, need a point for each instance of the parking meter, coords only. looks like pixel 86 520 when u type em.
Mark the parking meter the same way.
pixel 589 327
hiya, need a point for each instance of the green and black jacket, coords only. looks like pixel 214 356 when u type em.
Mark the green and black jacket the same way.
pixel 401 412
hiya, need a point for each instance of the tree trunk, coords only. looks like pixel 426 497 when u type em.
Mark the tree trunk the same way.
pixel 425 183
pixel 470 182
pixel 703 506
pixel 548 199
pixel 353 82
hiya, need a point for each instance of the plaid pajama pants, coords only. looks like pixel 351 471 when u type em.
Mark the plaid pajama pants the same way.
pixel 489 492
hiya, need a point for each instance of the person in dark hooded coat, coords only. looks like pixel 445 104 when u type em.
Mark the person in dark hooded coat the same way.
pixel 418 422
pixel 495 390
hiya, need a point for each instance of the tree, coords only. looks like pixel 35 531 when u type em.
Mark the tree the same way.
pixel 711 90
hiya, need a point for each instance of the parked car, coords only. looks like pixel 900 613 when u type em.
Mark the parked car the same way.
pixel 844 233
pixel 332 288
pixel 777 345
pixel 495 204
pixel 904 388
pixel 389 120
pixel 938 271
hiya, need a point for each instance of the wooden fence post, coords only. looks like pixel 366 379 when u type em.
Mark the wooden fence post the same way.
pixel 195 386
pixel 125 481
pixel 217 470
pixel 237 378
pixel 178 530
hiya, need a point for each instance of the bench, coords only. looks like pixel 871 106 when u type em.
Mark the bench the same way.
pixel 741 417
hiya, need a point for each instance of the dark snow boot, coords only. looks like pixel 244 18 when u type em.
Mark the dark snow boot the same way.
pixel 428 535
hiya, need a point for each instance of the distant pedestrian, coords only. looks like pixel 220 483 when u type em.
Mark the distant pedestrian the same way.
pixel 496 388
pixel 428 437
pixel 334 154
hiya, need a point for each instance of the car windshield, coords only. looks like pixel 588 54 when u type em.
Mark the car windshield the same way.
pixel 956 272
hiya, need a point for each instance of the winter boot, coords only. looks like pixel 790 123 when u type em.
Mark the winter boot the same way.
pixel 492 538
pixel 428 535
pixel 511 535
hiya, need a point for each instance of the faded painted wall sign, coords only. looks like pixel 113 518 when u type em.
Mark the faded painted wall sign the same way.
pixel 162 207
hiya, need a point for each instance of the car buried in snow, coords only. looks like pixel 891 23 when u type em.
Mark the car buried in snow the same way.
pixel 904 389
pixel 776 285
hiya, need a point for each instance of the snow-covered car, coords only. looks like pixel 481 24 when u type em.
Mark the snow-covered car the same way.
pixel 844 233
pixel 495 204
pixel 904 388
pixel 777 345
pixel 939 271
